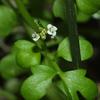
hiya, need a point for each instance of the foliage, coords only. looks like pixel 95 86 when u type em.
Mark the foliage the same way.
pixel 86 49
pixel 33 58
pixel 8 20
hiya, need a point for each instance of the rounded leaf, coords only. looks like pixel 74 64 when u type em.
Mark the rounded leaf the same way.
pixel 58 8
pixel 77 82
pixel 25 55
pixel 23 45
pixel 8 20
pixel 88 6
pixel 27 59
pixel 8 67
pixel 86 49
pixel 82 17
pixel 36 86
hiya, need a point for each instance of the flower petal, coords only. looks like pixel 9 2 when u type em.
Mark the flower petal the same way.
pixel 35 36
pixel 49 26
pixel 49 32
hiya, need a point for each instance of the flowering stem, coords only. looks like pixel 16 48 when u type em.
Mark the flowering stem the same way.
pixel 70 22
pixel 30 21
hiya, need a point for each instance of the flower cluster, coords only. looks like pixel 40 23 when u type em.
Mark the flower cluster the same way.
pixel 51 30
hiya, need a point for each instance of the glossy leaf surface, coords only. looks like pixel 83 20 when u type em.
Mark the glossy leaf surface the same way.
pixel 77 82
pixel 36 86
pixel 8 20
pixel 86 49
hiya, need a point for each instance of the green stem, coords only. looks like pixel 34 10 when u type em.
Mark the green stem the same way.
pixel 26 16
pixel 54 42
pixel 70 22
pixel 59 72
pixel 61 75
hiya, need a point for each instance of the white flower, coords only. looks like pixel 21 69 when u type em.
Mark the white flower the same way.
pixel 35 36
pixel 51 30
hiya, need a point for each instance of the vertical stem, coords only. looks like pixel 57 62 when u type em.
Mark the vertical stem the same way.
pixel 70 22
pixel 26 15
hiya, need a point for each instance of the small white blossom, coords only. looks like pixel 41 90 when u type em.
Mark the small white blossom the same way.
pixel 51 30
pixel 35 36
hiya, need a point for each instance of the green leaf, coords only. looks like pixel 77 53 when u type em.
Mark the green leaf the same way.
pixel 23 45
pixel 82 17
pixel 77 82
pixel 25 55
pixel 88 6
pixel 8 20
pixel 58 8
pixel 36 86
pixel 8 67
pixel 27 59
pixel 54 93
pixel 86 49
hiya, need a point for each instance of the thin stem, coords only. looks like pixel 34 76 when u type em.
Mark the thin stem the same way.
pixel 59 72
pixel 54 42
pixel 70 22
pixel 54 64
pixel 61 75
pixel 26 15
